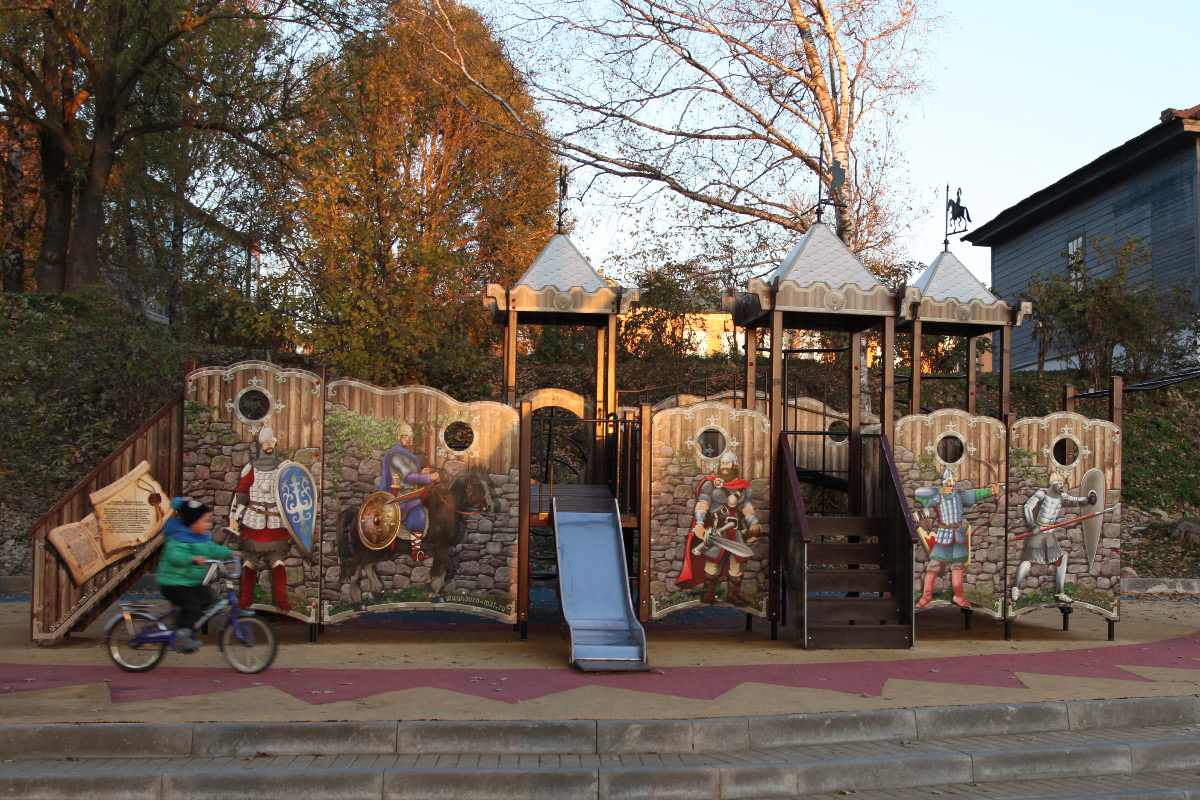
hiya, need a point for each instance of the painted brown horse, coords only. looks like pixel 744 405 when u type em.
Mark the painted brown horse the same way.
pixel 446 508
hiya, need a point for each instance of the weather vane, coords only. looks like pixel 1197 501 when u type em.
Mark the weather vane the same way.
pixel 837 178
pixel 957 216
pixel 562 194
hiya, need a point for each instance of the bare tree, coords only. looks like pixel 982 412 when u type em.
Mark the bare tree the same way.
pixel 727 104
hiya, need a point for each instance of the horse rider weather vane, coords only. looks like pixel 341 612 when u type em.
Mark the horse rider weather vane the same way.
pixel 837 179
pixel 957 216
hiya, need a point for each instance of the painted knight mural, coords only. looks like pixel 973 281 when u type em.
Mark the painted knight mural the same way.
pixel 251 432
pixel 423 504
pixel 949 544
pixel 708 543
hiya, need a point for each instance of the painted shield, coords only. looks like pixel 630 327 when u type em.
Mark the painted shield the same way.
pixel 379 521
pixel 1093 481
pixel 296 492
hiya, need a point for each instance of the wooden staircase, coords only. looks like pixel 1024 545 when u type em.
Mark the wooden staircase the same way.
pixel 849 578
pixel 852 594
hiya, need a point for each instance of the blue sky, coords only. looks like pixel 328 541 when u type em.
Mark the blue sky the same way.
pixel 1021 94
pixel 1024 93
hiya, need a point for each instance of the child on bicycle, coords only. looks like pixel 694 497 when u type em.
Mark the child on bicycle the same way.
pixel 182 566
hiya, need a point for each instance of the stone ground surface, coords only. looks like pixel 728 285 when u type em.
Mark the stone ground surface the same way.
pixel 425 666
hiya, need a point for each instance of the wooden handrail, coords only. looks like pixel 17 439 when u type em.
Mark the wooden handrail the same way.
pixel 896 486
pixel 79 487
pixel 791 487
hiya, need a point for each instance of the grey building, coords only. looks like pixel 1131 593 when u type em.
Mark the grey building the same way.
pixel 1146 188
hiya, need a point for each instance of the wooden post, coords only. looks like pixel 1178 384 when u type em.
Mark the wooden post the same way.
pixel 610 367
pixel 523 492
pixel 750 401
pixel 972 375
pixel 646 478
pixel 601 362
pixel 914 372
pixel 1116 400
pixel 854 414
pixel 1069 397
pixel 777 390
pixel 887 408
pixel 510 359
pixel 1005 370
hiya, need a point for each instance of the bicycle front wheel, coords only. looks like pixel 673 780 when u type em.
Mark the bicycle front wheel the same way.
pixel 120 639
pixel 249 644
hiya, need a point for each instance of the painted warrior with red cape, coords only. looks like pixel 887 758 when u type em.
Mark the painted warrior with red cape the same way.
pixel 724 509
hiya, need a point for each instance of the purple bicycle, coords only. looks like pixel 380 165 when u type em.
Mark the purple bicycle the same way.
pixel 137 638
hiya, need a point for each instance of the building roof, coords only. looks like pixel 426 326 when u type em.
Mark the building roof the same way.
pixel 561 265
pixel 1176 128
pixel 947 278
pixel 820 256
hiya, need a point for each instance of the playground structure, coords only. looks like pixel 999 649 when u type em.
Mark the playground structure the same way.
pixel 783 507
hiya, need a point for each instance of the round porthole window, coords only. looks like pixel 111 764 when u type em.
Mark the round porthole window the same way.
pixel 1065 452
pixel 839 431
pixel 458 436
pixel 710 443
pixel 950 449
pixel 253 405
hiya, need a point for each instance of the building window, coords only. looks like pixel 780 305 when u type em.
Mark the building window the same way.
pixel 1075 261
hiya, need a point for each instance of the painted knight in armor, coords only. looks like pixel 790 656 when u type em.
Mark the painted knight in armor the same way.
pixel 724 508
pixel 403 469
pixel 952 543
pixel 255 513
pixel 1042 547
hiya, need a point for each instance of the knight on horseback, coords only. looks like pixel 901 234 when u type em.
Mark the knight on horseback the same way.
pixel 402 468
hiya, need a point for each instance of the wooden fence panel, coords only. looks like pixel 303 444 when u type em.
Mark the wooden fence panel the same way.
pixel 58 605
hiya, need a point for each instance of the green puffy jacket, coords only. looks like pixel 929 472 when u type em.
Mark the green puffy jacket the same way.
pixel 175 567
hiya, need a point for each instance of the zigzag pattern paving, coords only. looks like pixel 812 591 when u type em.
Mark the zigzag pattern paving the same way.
pixel 319 686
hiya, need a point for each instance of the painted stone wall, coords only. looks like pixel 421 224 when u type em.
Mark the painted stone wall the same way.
pixel 467 560
pixel 225 408
pixel 973 448
pixel 1071 446
pixel 689 444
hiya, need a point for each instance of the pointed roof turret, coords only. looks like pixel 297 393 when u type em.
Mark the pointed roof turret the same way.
pixel 821 285
pixel 560 283
pixel 950 301
pixel 561 265
pixel 821 256
pixel 947 278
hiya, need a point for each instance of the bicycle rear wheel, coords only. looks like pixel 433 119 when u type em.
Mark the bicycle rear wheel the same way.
pixel 119 641
pixel 249 644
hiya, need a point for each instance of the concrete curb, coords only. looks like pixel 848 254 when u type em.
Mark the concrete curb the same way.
pixel 1160 585
pixel 719 781
pixel 581 737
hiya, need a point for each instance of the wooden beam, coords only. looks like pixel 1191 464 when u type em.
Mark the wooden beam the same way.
pixel 775 391
pixel 914 372
pixel 610 367
pixel 750 401
pixel 854 413
pixel 510 358
pixel 972 375
pixel 645 476
pixel 1005 370
pixel 1116 400
pixel 887 410
pixel 1068 402
pixel 526 474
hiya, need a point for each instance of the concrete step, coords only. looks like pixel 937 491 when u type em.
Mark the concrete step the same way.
pixel 891 767
pixel 1182 785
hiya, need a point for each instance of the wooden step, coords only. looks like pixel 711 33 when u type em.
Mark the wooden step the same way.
pixel 831 553
pixel 841 526
pixel 823 581
pixel 840 610
pixel 870 637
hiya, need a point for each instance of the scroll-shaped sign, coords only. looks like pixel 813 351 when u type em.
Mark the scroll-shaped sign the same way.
pixel 131 510
pixel 296 492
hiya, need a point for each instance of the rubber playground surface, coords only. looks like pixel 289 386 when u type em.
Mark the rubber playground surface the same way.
pixel 428 665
